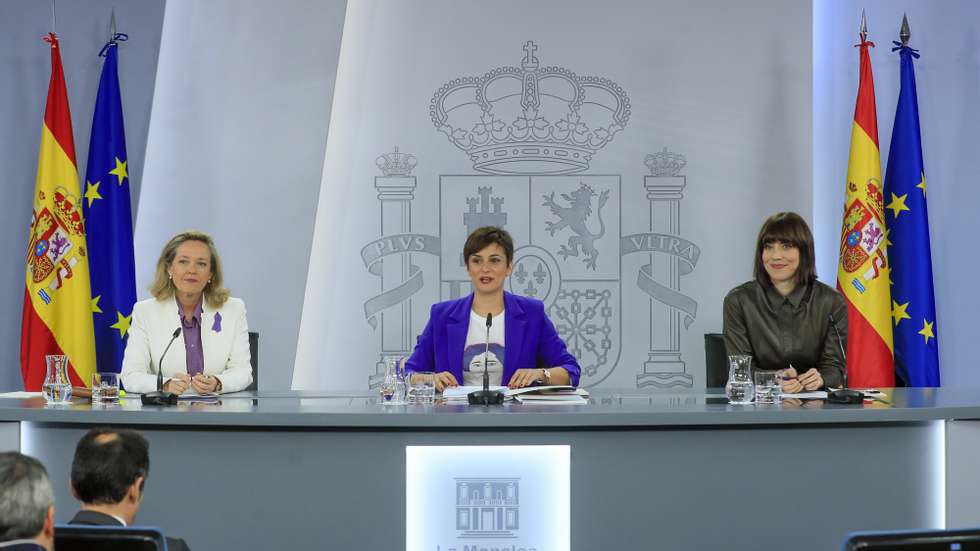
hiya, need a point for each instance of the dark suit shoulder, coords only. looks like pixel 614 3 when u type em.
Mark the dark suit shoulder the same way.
pixel 822 291
pixel 744 291
pixel 94 518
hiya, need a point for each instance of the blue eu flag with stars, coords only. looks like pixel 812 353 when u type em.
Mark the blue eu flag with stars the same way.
pixel 913 300
pixel 108 219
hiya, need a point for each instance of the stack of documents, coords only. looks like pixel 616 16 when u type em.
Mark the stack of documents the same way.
pixel 193 398
pixel 554 394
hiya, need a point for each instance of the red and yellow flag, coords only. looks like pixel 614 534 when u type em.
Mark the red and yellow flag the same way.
pixel 58 305
pixel 862 274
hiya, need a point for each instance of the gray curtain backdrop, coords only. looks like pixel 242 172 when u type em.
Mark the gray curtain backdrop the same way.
pixel 239 125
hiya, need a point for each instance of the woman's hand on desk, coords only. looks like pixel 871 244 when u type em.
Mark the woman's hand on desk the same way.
pixel 811 379
pixel 178 384
pixel 789 382
pixel 444 380
pixel 204 384
pixel 525 377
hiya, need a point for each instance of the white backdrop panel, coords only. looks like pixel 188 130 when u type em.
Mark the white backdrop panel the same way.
pixel 655 244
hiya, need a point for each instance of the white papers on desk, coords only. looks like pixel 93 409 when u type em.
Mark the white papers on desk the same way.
pixel 815 395
pixel 459 393
pixel 19 394
pixel 869 394
pixel 210 398
pixel 554 394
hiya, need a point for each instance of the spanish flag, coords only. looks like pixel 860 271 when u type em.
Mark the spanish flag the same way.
pixel 862 274
pixel 57 315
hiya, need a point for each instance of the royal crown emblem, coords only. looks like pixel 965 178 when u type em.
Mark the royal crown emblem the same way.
pixel 665 164
pixel 530 119
pixel 396 164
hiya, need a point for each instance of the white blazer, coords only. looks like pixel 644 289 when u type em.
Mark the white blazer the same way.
pixel 225 344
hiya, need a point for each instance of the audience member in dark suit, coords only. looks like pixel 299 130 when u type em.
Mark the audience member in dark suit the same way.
pixel 107 476
pixel 26 504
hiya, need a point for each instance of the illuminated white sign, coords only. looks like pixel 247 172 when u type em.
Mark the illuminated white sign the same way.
pixel 487 498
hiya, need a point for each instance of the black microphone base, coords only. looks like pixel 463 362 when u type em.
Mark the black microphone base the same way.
pixel 485 398
pixel 845 396
pixel 159 398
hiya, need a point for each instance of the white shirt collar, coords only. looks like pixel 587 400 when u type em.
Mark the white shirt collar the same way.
pixel 121 521
pixel 12 543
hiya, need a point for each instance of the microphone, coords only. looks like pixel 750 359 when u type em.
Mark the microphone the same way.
pixel 159 397
pixel 486 396
pixel 843 395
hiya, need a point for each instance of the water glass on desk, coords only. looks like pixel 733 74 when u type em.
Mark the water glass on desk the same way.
pixel 57 386
pixel 766 386
pixel 422 388
pixel 105 388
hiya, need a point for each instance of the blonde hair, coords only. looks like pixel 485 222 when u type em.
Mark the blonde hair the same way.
pixel 215 294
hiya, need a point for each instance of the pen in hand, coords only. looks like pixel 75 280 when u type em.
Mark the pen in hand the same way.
pixel 783 376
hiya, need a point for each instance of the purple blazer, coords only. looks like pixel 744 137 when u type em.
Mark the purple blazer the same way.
pixel 530 339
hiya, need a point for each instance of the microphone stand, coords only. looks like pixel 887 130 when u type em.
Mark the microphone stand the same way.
pixel 159 397
pixel 486 396
pixel 843 395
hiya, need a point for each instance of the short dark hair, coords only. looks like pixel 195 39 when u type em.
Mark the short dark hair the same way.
pixel 789 228
pixel 25 496
pixel 107 462
pixel 482 238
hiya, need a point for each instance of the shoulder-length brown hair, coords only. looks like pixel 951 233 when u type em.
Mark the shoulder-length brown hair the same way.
pixel 789 228
pixel 215 294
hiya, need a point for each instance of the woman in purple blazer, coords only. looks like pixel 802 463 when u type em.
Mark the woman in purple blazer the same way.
pixel 524 347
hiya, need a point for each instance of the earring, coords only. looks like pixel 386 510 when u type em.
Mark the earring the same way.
pixel 169 275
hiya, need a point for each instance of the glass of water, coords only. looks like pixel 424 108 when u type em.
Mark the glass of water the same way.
pixel 422 388
pixel 105 388
pixel 740 388
pixel 766 386
pixel 57 386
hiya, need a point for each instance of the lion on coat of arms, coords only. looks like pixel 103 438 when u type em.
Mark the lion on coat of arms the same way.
pixel 575 216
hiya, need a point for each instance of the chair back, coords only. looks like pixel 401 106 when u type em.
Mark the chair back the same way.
pixel 964 539
pixel 715 361
pixel 253 349
pixel 84 537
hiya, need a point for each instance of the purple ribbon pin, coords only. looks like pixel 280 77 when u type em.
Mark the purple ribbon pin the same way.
pixel 216 326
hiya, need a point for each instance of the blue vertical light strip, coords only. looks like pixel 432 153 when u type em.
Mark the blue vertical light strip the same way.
pixel 938 476
pixel 832 115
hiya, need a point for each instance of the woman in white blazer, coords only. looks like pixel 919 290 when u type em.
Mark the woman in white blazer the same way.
pixel 211 352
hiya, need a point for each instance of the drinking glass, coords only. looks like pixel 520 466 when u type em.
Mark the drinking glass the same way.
pixel 766 386
pixel 57 386
pixel 740 388
pixel 422 388
pixel 105 388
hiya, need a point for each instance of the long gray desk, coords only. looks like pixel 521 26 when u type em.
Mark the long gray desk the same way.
pixel 320 470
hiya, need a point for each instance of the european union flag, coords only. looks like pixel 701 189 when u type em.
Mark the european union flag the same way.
pixel 907 220
pixel 109 220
